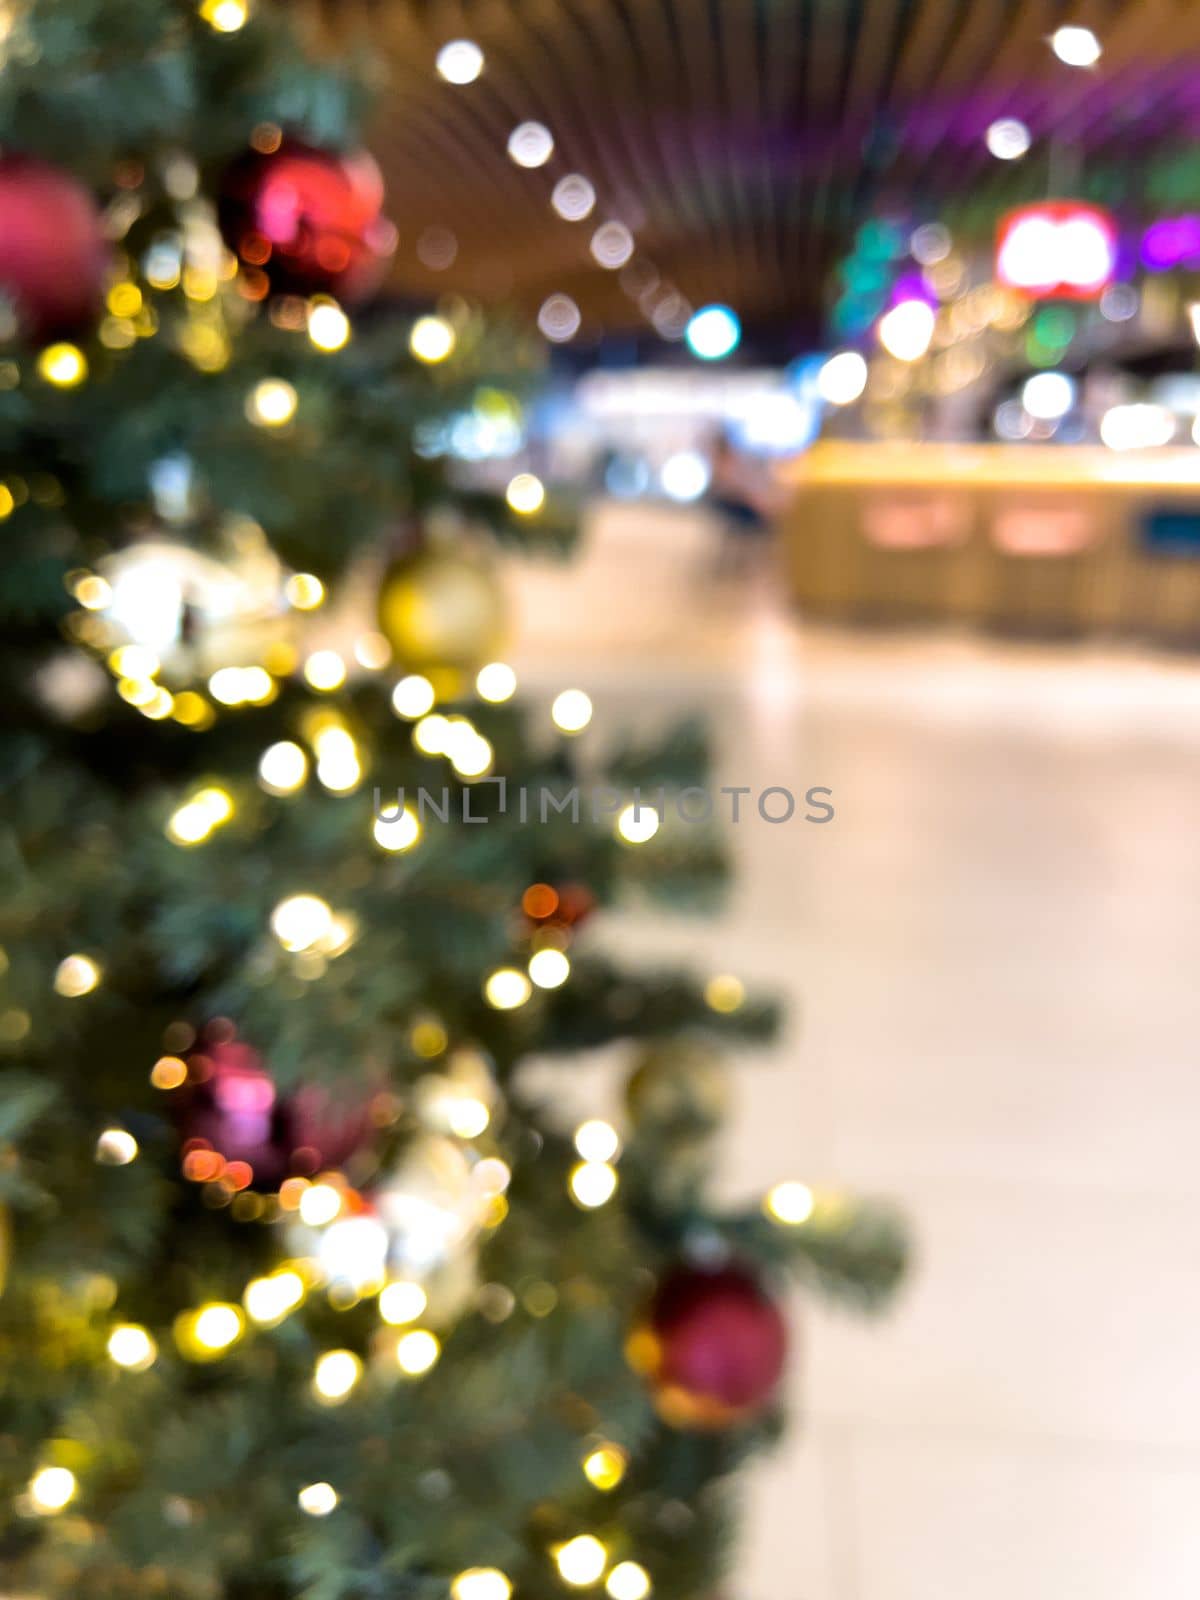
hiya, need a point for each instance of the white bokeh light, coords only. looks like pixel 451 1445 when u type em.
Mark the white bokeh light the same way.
pixel 531 144
pixel 1008 139
pixel 573 198
pixel 460 61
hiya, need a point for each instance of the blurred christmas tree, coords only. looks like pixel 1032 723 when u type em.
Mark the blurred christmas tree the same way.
pixel 309 1291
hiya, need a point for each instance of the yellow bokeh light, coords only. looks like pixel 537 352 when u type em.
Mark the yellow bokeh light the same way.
pixel 319 1204
pixel 282 767
pixel 116 1147
pixel 193 710
pixel 506 989
pixel 301 921
pixel 318 1499
pixel 471 756
pixel 725 992
pixel 431 339
pixel 336 1374
pixel 124 299
pixel 790 1203
pixel 571 711
pixel 549 968
pixel 412 697
pixel 328 325
pixel 481 1583
pixel 325 670
pixel 371 650
pixel 7 503
pixel 272 403
pixel 628 1581
pixel 76 975
pixel 398 832
pixel 208 1332
pixel 604 1467
pixel 169 1072
pixel 496 682
pixel 525 494
pixel 131 1346
pixel 63 365
pixel 637 823
pixel 431 734
pixel 417 1352
pixel 93 592
pixel 268 1300
pixel 467 1117
pixel 592 1184
pixel 401 1302
pixel 304 591
pixel 52 1489
pixel 134 661
pixel 581 1561
pixel 225 16
pixel 596 1140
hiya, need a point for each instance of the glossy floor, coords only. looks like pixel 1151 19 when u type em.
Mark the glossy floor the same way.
pixel 991 959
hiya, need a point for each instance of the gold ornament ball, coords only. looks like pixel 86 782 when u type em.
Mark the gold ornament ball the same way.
pixel 442 610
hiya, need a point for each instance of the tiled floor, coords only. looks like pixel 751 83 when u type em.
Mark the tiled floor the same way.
pixel 991 955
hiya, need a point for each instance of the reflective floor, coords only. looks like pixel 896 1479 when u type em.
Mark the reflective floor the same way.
pixel 991 960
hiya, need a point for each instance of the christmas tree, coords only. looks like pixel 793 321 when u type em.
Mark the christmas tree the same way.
pixel 312 1290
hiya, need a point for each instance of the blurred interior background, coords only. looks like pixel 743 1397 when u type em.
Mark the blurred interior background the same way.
pixel 872 336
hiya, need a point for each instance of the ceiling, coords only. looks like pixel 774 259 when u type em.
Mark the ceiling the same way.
pixel 739 140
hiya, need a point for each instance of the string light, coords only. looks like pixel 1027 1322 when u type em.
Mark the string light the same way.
pixel 197 818
pixel 397 833
pixel 52 1490
pixel 496 682
pixel 225 16
pixel 318 1499
pixel 336 1375
pixel 116 1147
pixel 431 339
pixel 282 768
pixel 401 1302
pixel 301 921
pixel 207 1333
pixel 304 591
pixel 592 1184
pixel 581 1561
pixel 790 1203
pixel 628 1581
pixel 481 1583
pixel 328 325
pixel 571 711
pixel 417 1352
pixel 169 1072
pixel 525 494
pixel 75 976
pixel 338 766
pixel 549 968
pixel 272 403
pixel 325 670
pixel 63 365
pixel 530 144
pixel 506 989
pixel 131 1346
pixel 412 697
pixel 460 61
pixel 430 735
pixel 320 1204
pixel 268 1300
pixel 597 1140
pixel 604 1467
pixel 636 824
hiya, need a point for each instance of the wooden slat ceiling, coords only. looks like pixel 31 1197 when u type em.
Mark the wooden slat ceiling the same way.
pixel 740 140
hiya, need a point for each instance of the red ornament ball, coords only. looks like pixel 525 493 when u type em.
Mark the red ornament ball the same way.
pixel 714 1346
pixel 54 257
pixel 311 220
pixel 231 1109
